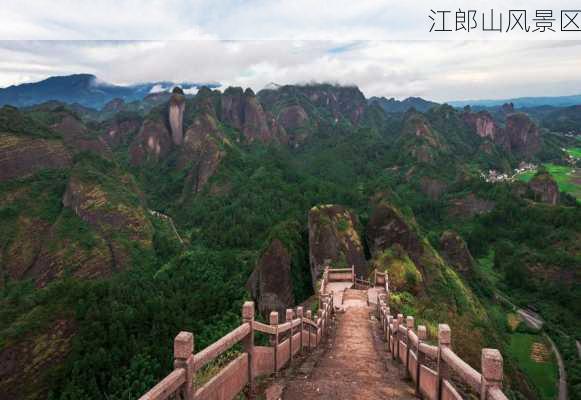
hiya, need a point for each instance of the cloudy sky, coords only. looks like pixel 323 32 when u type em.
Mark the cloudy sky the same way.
pixel 255 42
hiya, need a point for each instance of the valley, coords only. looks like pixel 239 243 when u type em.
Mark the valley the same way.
pixel 125 224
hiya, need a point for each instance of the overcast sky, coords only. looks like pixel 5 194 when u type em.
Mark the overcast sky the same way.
pixel 435 70
pixel 308 41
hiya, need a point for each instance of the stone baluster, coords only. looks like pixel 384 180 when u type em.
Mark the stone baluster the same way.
pixel 422 336
pixel 320 316
pixel 444 341
pixel 398 335
pixel 409 322
pixel 300 315
pixel 388 332
pixel 273 320
pixel 248 342
pixel 309 315
pixel 491 371
pixel 395 332
pixel 289 318
pixel 183 348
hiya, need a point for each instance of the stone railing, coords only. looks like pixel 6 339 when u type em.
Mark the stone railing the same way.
pixel 300 332
pixel 435 370
pixel 381 279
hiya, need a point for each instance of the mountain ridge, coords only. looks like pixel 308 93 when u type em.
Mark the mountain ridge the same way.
pixel 85 89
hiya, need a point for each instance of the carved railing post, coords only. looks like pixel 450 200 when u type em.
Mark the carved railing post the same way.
pixel 353 274
pixel 248 342
pixel 444 340
pixel 395 333
pixel 322 326
pixel 273 320
pixel 398 335
pixel 289 318
pixel 301 326
pixel 309 316
pixel 422 336
pixel 388 333
pixel 491 371
pixel 183 348
pixel 410 327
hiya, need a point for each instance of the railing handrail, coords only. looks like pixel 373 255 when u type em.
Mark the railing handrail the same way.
pixel 221 345
pixel 167 386
pixel 309 330
pixel 400 334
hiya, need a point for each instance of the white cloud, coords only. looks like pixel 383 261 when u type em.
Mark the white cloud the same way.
pixel 439 70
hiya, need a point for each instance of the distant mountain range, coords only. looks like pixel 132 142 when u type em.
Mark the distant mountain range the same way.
pixel 398 106
pixel 84 89
pixel 523 102
pixel 87 90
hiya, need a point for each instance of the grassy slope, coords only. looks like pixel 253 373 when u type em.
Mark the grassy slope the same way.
pixel 542 374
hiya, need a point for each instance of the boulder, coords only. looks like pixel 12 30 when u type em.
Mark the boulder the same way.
pixel 334 241
pixel 271 283
pixel 456 252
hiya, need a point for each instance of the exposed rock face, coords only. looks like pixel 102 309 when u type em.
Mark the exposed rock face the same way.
pixel 293 118
pixel 469 206
pixel 387 226
pixel 455 252
pixel 152 142
pixel 243 111
pixel 395 239
pixel 545 188
pixel 271 282
pixel 22 156
pixel 110 212
pixel 177 105
pixel 340 100
pixel 519 136
pixel 76 136
pixel 31 358
pixel 523 134
pixel 255 125
pixel 484 125
pixel 201 152
pixel 334 241
pixel 419 140
pixel 121 131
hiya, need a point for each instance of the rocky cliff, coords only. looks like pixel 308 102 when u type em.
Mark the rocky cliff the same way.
pixel 456 252
pixel 177 105
pixel 519 136
pixel 334 241
pixel 545 188
pixel 271 283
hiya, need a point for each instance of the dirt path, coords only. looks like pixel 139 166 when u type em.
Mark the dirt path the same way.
pixel 355 365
